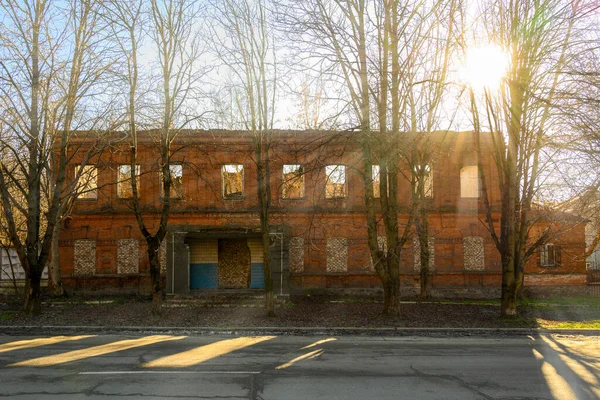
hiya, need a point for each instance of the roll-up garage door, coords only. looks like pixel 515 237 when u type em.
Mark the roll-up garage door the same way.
pixel 257 274
pixel 204 263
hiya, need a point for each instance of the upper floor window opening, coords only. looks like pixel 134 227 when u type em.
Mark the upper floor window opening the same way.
pixel 469 182
pixel 124 189
pixel 176 181
pixel 233 181
pixel 425 172
pixel 376 177
pixel 87 182
pixel 293 181
pixel 335 185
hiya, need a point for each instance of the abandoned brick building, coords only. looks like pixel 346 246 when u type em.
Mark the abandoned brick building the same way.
pixel 317 219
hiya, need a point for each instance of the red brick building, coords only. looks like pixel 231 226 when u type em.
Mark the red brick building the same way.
pixel 318 224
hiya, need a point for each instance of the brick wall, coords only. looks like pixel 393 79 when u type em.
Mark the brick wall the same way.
pixel 327 245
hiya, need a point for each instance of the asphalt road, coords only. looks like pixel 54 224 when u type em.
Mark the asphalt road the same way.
pixel 287 367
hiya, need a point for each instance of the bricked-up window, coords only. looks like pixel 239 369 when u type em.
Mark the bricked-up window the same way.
pixel 84 257
pixel 417 253
pixel 128 253
pixel 474 253
pixel 124 190
pixel 469 182
pixel 233 181
pixel 550 255
pixel 337 254
pixel 176 182
pixel 293 181
pixel 335 185
pixel 87 184
pixel 376 181
pixel 296 254
pixel 425 172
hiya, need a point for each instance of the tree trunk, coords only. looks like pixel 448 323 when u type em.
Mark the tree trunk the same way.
pixel 423 237
pixel 508 306
pixel 54 266
pixel 33 302
pixel 386 298
pixel 425 293
pixel 391 293
pixel 157 293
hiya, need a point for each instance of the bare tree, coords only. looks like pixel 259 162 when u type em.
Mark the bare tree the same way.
pixel 244 43
pixel 173 26
pixel 427 51
pixel 49 63
pixel 541 38
pixel 392 59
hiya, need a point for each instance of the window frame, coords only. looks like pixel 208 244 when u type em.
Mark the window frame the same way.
pixel 233 196
pixel 284 187
pixel 328 180
pixel 545 261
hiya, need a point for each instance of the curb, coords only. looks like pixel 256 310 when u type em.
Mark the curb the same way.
pixel 298 331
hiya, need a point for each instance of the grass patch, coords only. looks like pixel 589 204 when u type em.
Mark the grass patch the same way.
pixel 477 302
pixel 587 324
pixel 519 322
pixel 7 315
pixel 563 301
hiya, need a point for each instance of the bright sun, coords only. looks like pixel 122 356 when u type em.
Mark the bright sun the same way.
pixel 485 66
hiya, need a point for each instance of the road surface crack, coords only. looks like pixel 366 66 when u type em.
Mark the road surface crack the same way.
pixel 462 382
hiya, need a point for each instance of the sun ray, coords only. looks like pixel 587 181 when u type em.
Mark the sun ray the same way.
pixel 94 351
pixel 26 344
pixel 310 355
pixel 204 353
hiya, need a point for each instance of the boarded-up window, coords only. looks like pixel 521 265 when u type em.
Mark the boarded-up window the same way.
pixel 233 181
pixel 337 254
pixel 376 181
pixel 550 255
pixel 176 182
pixel 124 190
pixel 335 185
pixel 293 181
pixel 469 182
pixel 87 182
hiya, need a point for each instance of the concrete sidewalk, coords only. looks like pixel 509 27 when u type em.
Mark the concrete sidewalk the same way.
pixel 296 331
